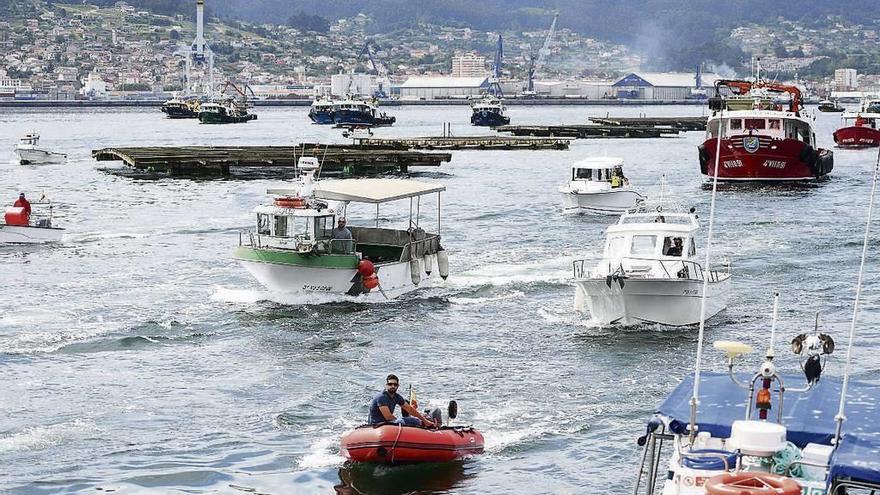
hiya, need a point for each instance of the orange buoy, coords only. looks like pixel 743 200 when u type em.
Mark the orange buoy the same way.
pixel 366 268
pixel 747 483
pixel 290 202
pixel 371 281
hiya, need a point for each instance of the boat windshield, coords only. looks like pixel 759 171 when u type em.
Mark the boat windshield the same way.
pixel 291 226
pixel 643 245
pixel 582 173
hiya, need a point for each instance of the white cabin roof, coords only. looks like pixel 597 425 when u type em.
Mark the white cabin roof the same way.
pixel 374 190
pixel 602 162
pixel 655 222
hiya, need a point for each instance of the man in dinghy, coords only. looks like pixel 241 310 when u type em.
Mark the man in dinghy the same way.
pixel 382 407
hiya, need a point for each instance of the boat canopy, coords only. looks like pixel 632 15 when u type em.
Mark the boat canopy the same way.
pixel 374 190
pixel 808 417
pixel 601 163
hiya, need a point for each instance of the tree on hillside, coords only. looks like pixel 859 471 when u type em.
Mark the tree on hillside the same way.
pixel 306 22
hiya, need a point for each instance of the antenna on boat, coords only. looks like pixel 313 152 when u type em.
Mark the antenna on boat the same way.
pixel 840 418
pixel 695 398
pixel 770 352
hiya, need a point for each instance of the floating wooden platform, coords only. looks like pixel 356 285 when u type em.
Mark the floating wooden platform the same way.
pixel 493 142
pixel 586 131
pixel 680 123
pixel 345 160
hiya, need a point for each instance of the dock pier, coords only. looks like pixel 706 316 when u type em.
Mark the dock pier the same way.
pixel 493 142
pixel 345 160
pixel 586 131
pixel 680 123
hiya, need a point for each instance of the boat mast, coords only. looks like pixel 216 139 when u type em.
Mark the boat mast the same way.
pixel 840 417
pixel 695 399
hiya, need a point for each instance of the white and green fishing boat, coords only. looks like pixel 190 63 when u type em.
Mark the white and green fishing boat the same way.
pixel 292 249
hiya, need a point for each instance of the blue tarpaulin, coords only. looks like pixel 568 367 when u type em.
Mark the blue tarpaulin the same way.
pixel 808 416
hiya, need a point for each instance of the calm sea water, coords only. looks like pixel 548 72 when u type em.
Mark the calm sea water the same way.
pixel 139 357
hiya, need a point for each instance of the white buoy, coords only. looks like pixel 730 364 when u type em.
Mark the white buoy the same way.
pixel 415 271
pixel 443 264
pixel 429 263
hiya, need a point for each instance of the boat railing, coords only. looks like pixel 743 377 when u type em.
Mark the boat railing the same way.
pixel 672 269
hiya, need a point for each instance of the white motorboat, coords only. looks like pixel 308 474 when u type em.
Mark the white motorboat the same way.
pixel 291 251
pixel 29 154
pixel 598 186
pixel 649 273
pixel 21 228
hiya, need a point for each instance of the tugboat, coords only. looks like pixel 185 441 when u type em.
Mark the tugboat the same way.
pixel 360 111
pixel 291 251
pixel 227 111
pixel 490 112
pixel 29 154
pixel 830 106
pixel 650 273
pixel 761 140
pixel 861 129
pixel 181 108
pixel 321 111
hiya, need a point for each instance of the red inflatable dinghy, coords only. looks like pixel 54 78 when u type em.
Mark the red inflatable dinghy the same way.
pixel 399 444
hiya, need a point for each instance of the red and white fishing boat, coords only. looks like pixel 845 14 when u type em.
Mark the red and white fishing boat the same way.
pixel 765 135
pixel 860 129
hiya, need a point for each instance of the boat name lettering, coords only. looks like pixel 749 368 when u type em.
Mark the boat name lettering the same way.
pixel 320 288
pixel 774 163
pixel 689 292
pixel 733 163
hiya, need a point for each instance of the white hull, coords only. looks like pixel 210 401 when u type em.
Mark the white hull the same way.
pixel 33 156
pixel 602 203
pixel 15 234
pixel 674 302
pixel 394 278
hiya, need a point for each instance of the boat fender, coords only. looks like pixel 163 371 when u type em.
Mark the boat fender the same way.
pixel 415 271
pixel 366 268
pixel 751 483
pixel 808 155
pixel 452 410
pixel 704 159
pixel 370 282
pixel 429 264
pixel 443 263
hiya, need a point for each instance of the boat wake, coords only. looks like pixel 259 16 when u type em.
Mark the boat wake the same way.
pixel 42 437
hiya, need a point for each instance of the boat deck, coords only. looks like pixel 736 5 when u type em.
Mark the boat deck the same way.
pixel 680 123
pixel 343 160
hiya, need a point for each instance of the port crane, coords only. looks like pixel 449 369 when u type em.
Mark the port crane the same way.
pixel 535 64
pixel 380 69
pixel 495 78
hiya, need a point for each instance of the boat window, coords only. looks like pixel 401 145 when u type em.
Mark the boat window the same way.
pixel 774 124
pixel 643 245
pixel 263 224
pixel 736 124
pixel 673 246
pixel 280 226
pixel 583 173
pixel 299 226
pixel 755 123
pixel 323 226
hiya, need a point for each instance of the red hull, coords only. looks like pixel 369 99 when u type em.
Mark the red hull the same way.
pixel 395 444
pixel 857 137
pixel 767 159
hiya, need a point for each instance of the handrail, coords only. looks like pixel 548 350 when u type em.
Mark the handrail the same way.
pixel 688 267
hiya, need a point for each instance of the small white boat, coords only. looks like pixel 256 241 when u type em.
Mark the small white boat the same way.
pixel 20 228
pixel 29 154
pixel 598 186
pixel 292 250
pixel 649 273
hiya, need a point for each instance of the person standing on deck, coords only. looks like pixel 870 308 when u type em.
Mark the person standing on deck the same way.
pixel 21 202
pixel 342 234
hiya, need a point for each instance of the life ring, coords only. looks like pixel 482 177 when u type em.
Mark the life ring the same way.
pixel 747 483
pixel 289 202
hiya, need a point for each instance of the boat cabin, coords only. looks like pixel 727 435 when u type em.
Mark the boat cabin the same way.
pixel 603 169
pixel 775 125
pixel 652 236
pixel 859 120
pixel 355 106
pixel 30 139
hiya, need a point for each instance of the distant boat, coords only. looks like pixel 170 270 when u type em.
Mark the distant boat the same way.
pixel 358 111
pixel 861 129
pixel 224 112
pixel 29 154
pixel 321 111
pixel 597 186
pixel 20 228
pixel 181 108
pixel 830 106
pixel 490 112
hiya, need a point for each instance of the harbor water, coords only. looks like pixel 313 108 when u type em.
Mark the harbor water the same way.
pixel 138 356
